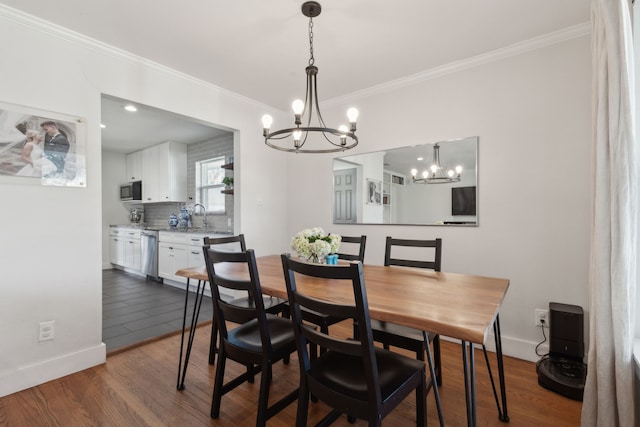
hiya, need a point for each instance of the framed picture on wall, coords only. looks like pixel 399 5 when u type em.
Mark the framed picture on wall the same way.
pixel 43 147
pixel 374 191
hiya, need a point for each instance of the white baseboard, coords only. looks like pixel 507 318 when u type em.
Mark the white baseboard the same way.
pixel 514 347
pixel 38 373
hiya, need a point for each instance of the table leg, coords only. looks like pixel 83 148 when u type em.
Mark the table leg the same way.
pixel 182 370
pixel 432 374
pixel 503 393
pixel 469 382
pixel 502 410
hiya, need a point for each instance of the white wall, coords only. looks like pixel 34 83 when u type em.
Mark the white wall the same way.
pixel 532 115
pixel 52 239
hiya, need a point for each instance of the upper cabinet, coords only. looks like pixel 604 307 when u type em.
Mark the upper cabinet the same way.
pixel 134 166
pixel 165 173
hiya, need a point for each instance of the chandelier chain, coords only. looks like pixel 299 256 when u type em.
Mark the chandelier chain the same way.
pixel 311 58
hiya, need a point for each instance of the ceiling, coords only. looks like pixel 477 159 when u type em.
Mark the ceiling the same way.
pixel 260 48
pixel 126 131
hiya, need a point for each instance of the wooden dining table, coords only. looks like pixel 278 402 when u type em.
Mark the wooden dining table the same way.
pixel 460 306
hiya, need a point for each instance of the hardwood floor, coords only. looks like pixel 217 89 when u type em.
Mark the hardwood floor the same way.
pixel 138 388
pixel 135 309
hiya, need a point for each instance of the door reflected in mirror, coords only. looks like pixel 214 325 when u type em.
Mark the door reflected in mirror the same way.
pixel 429 184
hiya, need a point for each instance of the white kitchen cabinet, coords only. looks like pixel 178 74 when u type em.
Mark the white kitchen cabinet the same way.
pixel 124 248
pixel 132 250
pixel 165 173
pixel 172 255
pixel 135 171
pixel 195 256
pixel 116 250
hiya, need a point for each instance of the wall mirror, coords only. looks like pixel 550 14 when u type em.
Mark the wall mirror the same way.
pixel 401 186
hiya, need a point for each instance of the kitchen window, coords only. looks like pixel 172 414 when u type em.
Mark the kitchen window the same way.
pixel 209 175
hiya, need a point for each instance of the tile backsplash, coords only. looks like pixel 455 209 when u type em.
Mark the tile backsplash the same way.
pixel 157 215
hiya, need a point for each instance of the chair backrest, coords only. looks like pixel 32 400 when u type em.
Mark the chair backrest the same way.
pixel 362 241
pixel 341 275
pixel 434 264
pixel 225 310
pixel 211 241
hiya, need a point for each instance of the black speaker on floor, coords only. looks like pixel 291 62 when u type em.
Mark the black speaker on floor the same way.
pixel 562 370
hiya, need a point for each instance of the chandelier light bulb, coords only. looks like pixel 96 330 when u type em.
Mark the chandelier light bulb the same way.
pixel 414 172
pixel 266 124
pixel 450 173
pixel 298 107
pixel 343 137
pixel 352 114
pixel 267 120
pixel 458 169
pixel 434 168
pixel 425 174
pixel 296 138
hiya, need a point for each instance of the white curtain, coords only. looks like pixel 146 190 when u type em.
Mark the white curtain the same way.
pixel 609 392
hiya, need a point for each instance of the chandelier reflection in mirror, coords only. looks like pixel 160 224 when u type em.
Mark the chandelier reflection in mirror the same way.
pixel 307 123
pixel 436 174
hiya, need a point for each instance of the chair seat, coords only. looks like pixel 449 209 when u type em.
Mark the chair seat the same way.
pixel 346 374
pixel 247 335
pixel 397 335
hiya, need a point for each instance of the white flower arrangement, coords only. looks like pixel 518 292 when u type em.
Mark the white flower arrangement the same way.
pixel 314 244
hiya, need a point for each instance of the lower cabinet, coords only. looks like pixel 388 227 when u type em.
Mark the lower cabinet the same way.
pixel 116 250
pixel 177 250
pixel 171 258
pixel 124 248
pixel 132 254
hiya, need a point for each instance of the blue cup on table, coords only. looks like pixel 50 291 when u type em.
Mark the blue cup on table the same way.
pixel 331 259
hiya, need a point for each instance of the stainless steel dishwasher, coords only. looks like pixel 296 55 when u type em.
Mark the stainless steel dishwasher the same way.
pixel 149 249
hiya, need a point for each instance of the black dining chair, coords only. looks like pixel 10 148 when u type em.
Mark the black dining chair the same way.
pixel 272 305
pixel 390 334
pixel 324 320
pixel 353 376
pixel 260 339
pixel 362 245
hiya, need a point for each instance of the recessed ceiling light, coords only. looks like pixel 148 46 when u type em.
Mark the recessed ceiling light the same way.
pixel 102 125
pixel 420 159
pixel 130 108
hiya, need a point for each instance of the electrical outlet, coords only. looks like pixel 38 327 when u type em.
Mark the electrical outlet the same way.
pixel 542 317
pixel 47 330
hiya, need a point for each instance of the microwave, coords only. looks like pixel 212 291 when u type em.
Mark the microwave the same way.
pixel 131 191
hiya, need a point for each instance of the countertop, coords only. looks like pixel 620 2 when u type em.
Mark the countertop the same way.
pixel 173 230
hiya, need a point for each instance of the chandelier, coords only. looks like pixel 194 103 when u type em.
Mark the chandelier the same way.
pixel 436 175
pixel 306 122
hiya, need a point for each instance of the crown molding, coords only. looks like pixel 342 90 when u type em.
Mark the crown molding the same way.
pixel 63 33
pixel 545 40
pixel 51 29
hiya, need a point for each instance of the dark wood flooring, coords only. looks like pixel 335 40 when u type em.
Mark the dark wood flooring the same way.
pixel 135 310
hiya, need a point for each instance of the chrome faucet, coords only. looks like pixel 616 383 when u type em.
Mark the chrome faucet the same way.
pixel 204 220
